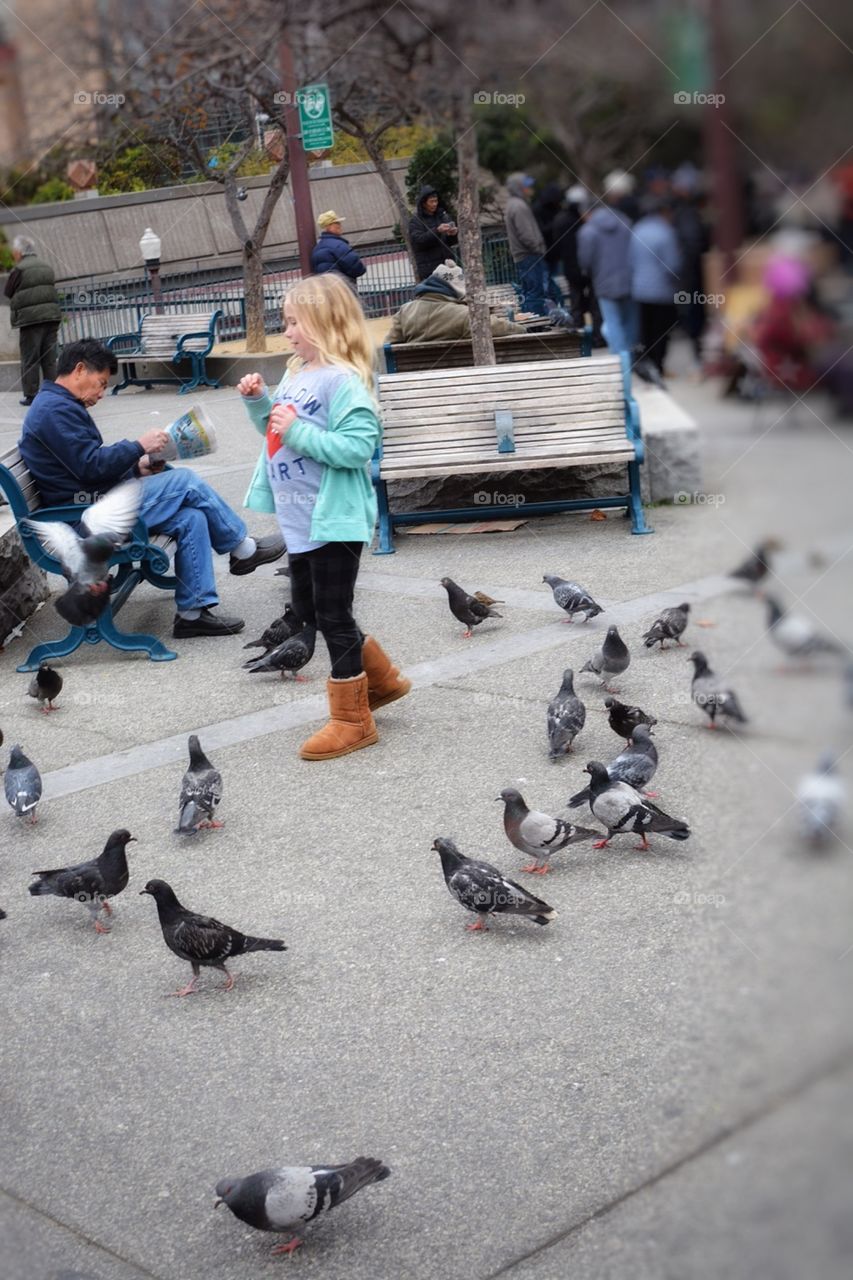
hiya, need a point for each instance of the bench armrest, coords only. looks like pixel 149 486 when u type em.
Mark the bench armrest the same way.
pixel 187 337
pixel 132 338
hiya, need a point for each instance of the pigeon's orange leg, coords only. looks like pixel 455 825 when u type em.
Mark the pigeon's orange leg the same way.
pixel 101 928
pixel 652 795
pixel 600 844
pixel 290 1247
pixel 535 869
pixel 229 982
pixel 479 927
pixel 644 846
pixel 213 823
pixel 188 990
pixel 105 906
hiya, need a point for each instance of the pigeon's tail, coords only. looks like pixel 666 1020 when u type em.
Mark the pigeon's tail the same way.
pixel 587 666
pixel 734 710
pixel 545 917
pixel 41 887
pixel 255 644
pixel 189 819
pixel 575 801
pixel 672 827
pixel 262 944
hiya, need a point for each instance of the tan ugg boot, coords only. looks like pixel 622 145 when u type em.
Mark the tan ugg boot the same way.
pixel 351 725
pixel 384 682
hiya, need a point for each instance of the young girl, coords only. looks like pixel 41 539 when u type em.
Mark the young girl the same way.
pixel 321 429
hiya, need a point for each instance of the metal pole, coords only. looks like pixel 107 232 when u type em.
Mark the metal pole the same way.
pixel 305 229
pixel 156 288
pixel 720 150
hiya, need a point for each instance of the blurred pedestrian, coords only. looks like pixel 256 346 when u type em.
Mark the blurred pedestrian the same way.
pixel 694 242
pixel 567 224
pixel 526 242
pixel 546 208
pixel 333 253
pixel 31 289
pixel 603 249
pixel 432 231
pixel 655 259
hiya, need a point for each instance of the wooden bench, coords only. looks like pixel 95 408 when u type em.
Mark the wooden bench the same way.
pixel 517 417
pixel 515 348
pixel 146 556
pixel 171 339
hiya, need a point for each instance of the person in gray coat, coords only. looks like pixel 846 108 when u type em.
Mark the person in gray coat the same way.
pixel 604 243
pixel 526 242
pixel 35 312
pixel 655 258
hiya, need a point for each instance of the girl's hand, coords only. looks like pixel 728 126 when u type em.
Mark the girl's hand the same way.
pixel 252 384
pixel 281 419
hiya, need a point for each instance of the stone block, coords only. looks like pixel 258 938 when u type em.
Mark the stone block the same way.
pixel 23 586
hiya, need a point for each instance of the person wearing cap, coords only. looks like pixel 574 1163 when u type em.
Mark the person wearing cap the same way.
pixel 439 311
pixel 432 232
pixel 333 253
pixel 526 242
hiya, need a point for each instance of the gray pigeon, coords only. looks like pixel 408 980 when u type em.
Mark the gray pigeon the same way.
pixel 821 800
pixel 756 566
pixel 45 686
pixel 469 610
pixel 636 765
pixel 795 634
pixel 93 883
pixel 566 716
pixel 624 719
pixel 610 660
pixel 291 656
pixel 572 598
pixel 669 625
pixel 277 632
pixel 711 694
pixel 480 887
pixel 201 791
pixel 537 834
pixel 284 1199
pixel 621 809
pixel 22 784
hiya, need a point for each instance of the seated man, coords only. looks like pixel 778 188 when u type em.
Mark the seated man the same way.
pixel 439 312
pixel 68 460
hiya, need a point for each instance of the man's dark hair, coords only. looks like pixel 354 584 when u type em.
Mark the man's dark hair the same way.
pixel 88 351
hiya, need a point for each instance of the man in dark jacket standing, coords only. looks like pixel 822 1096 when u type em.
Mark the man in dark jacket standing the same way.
pixel 35 311
pixel 432 232
pixel 604 244
pixel 526 242
pixel 333 253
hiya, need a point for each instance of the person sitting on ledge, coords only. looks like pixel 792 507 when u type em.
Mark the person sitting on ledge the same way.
pixel 439 311
pixel 70 463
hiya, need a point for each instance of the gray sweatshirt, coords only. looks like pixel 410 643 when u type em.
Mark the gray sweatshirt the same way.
pixel 522 229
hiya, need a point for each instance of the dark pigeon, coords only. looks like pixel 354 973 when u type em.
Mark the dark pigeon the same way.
pixel 93 883
pixel 611 659
pixel 621 809
pixel 45 686
pixel 756 566
pixel 277 632
pixel 669 625
pixel 480 887
pixel 624 719
pixel 201 940
pixel 467 609
pixel 711 694
pixel 566 717
pixel 291 656
pixel 821 798
pixel 537 834
pixel 22 784
pixel 636 765
pixel 201 791
pixel 286 1198
pixel 572 598
pixel 796 635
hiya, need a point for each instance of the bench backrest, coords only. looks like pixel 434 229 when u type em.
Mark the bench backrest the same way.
pixel 18 485
pixel 159 334
pixel 515 348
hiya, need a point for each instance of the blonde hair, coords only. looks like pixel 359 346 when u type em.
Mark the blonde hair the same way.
pixel 332 320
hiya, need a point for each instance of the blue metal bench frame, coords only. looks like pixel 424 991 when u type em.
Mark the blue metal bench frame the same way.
pixel 138 560
pixel 631 501
pixel 128 356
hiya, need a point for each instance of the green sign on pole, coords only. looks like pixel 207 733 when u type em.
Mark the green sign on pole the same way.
pixel 315 117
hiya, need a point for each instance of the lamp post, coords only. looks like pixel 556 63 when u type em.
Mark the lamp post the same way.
pixel 149 247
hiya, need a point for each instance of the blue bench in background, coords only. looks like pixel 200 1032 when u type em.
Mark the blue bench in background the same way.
pixel 168 339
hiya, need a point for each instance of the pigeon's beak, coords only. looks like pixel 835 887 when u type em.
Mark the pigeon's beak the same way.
pixel 133 838
pixel 142 891
pixel 218 1203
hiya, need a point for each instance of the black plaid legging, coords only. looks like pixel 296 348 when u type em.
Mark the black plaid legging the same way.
pixel 322 586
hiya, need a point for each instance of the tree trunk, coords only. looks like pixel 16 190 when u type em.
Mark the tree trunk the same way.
pixel 253 288
pixel 374 150
pixel 470 242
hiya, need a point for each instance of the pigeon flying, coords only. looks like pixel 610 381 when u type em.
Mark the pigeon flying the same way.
pixel 668 626
pixel 201 791
pixel 469 610
pixel 22 784
pixel 820 803
pixel 709 693
pixel 636 765
pixel 537 834
pixel 795 634
pixel 480 887
pixel 572 598
pixel 292 656
pixel 201 940
pixel 620 809
pixel 45 685
pixel 284 1199
pixel 611 659
pixel 92 883
pixel 277 632
pixel 566 717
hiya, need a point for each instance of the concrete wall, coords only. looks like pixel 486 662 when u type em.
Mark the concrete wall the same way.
pixel 100 236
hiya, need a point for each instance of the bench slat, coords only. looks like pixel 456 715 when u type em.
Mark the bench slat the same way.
pixel 486 440
pixel 581 368
pixel 413 471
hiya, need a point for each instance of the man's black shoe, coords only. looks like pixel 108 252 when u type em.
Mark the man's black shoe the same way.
pixel 267 550
pixel 27 400
pixel 207 623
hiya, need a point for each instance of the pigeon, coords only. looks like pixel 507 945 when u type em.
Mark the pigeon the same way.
pixel 795 634
pixel 468 609
pixel 92 883
pixel 85 556
pixel 636 765
pixel 283 571
pixel 611 659
pixel 668 626
pixel 756 566
pixel 537 834
pixel 820 802
pixel 282 1199
pixel 292 655
pixel 22 784
pixel 709 693
pixel 572 598
pixel 201 791
pixel 277 632
pixel 624 719
pixel 566 716
pixel 45 685
pixel 2 914
pixel 200 939
pixel 480 887
pixel 620 808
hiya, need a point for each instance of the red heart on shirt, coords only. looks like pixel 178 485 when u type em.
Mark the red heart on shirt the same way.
pixel 273 442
